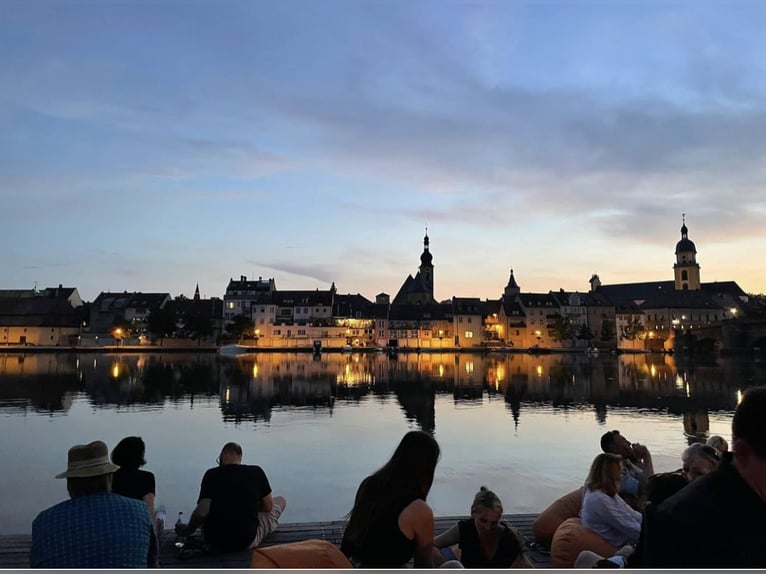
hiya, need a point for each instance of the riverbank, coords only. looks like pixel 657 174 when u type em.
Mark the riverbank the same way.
pixel 14 549
pixel 244 349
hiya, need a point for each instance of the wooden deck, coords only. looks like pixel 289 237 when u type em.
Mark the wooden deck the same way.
pixel 14 549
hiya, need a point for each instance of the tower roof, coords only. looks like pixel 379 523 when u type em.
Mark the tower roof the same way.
pixel 426 258
pixel 686 245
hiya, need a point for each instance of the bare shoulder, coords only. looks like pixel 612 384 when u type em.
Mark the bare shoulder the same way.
pixel 418 508
pixel 416 516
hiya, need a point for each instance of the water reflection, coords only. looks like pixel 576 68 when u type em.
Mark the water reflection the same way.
pixel 250 387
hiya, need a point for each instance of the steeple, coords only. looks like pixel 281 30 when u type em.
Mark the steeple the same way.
pixel 686 268
pixel 427 267
pixel 196 293
pixel 512 289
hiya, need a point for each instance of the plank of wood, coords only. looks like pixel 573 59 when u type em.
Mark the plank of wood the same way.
pixel 14 549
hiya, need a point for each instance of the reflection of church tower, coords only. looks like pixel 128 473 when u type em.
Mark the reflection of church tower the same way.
pixel 687 270
pixel 427 267
pixel 512 289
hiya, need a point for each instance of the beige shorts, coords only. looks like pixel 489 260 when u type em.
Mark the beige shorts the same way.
pixel 267 523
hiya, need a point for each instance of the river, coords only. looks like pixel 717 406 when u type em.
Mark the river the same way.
pixel 526 426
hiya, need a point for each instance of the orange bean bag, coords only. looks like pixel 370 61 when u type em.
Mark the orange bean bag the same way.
pixel 303 554
pixel 571 538
pixel 568 506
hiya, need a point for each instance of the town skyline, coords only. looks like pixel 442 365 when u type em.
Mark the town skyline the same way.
pixel 182 143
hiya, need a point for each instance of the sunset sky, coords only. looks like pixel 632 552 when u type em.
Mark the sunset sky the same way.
pixel 154 145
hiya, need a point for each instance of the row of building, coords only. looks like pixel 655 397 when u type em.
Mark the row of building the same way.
pixel 632 315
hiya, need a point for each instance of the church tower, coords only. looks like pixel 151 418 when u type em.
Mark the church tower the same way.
pixel 686 268
pixel 426 269
pixel 512 289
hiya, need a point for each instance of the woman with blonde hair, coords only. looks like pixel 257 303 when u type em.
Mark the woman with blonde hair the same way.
pixel 603 511
pixel 483 540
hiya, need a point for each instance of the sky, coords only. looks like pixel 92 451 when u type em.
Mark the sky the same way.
pixel 153 145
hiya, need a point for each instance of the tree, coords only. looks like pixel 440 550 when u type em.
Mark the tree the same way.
pixel 198 325
pixel 585 334
pixel 608 330
pixel 562 329
pixel 161 323
pixel 631 330
pixel 241 325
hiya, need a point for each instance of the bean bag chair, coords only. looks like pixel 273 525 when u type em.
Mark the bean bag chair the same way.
pixel 571 538
pixel 303 554
pixel 568 506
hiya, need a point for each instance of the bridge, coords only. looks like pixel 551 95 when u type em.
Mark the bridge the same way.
pixel 735 335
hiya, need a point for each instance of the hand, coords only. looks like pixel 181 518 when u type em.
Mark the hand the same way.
pixel 181 528
pixel 641 451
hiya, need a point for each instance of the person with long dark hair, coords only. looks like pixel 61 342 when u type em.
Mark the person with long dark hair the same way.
pixel 129 480
pixel 391 522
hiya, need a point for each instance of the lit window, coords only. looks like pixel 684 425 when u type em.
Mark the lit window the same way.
pixel 469 334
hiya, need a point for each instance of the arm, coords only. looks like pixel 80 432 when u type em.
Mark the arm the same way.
pixel 624 518
pixel 149 501
pixel 416 522
pixel 153 556
pixel 267 503
pixel 450 537
pixel 197 518
pixel 646 459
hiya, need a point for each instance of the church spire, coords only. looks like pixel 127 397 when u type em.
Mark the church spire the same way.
pixel 196 292
pixel 512 289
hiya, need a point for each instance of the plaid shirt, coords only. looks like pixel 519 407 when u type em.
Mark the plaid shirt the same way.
pixel 101 530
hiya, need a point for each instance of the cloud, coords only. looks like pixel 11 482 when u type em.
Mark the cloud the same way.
pixel 324 273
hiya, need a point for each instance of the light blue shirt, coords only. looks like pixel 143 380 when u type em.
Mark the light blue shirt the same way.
pixel 610 517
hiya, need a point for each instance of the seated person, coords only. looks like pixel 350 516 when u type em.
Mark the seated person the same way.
pixel 129 480
pixel 719 443
pixel 484 541
pixel 95 528
pixel 660 487
pixel 235 504
pixel 699 460
pixel 603 511
pixel 637 466
pixel 391 523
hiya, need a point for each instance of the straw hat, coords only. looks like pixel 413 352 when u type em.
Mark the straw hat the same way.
pixel 85 460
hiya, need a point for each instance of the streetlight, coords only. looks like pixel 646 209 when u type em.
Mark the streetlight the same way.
pixel 539 336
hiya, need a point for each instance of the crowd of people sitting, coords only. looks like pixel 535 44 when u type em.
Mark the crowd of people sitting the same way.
pixel 709 513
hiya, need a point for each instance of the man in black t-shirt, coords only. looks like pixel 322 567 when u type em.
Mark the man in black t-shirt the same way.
pixel 719 520
pixel 235 506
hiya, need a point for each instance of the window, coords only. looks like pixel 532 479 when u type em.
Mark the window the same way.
pixel 469 334
pixel 230 304
pixel 684 275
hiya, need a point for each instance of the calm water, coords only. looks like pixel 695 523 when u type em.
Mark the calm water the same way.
pixel 526 426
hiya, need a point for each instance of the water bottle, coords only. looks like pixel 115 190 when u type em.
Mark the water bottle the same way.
pixel 161 515
pixel 180 543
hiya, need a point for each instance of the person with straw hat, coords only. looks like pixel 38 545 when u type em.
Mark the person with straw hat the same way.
pixel 95 528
